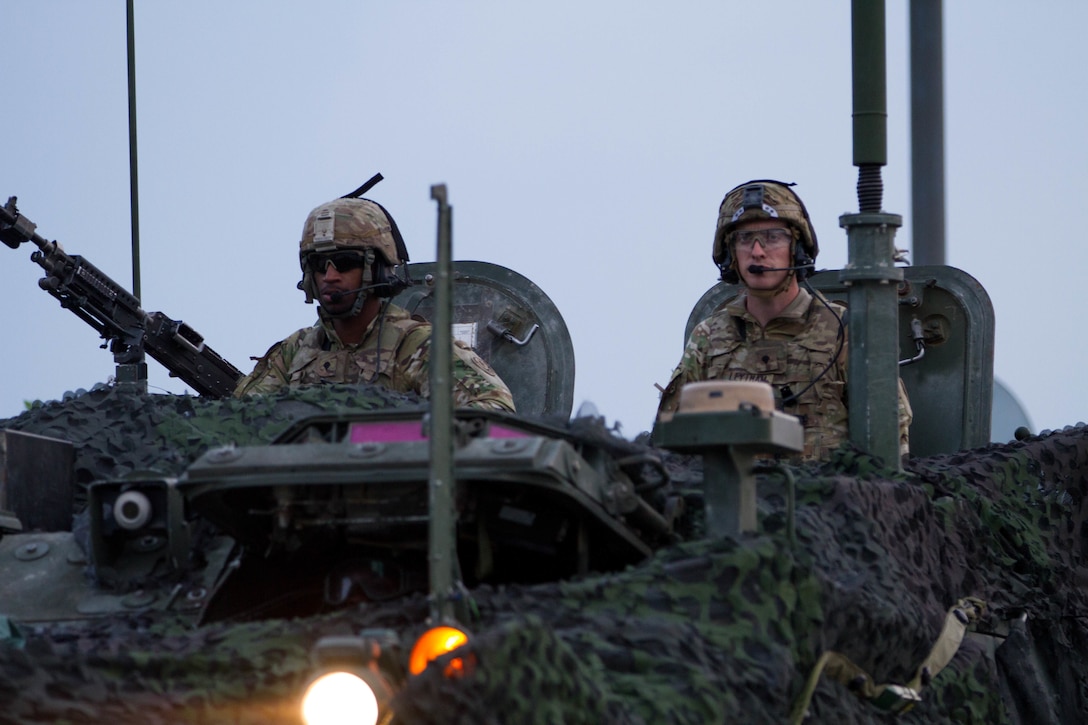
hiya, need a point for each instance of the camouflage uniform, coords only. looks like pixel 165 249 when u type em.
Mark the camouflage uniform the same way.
pixel 789 354
pixel 316 355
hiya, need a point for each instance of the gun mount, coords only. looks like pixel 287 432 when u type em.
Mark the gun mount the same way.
pixel 116 314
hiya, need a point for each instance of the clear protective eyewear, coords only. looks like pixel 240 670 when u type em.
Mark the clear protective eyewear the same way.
pixel 771 239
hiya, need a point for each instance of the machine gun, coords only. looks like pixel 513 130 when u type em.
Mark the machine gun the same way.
pixel 109 308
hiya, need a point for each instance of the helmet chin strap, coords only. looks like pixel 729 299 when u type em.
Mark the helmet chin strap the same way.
pixel 787 280
pixel 782 288
pixel 793 263
pixel 360 298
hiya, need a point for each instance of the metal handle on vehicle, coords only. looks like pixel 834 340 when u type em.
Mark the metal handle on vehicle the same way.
pixel 504 332
pixel 919 342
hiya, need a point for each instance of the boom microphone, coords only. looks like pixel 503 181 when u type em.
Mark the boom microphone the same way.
pixel 335 297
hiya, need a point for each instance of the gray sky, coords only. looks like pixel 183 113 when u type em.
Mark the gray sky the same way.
pixel 585 145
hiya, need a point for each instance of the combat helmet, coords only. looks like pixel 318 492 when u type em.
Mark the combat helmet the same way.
pixel 353 224
pixel 764 199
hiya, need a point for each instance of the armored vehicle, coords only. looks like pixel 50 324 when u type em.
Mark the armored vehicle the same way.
pixel 348 554
pixel 178 558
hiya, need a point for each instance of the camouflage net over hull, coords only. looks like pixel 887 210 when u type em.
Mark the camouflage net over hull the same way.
pixel 704 631
pixel 116 433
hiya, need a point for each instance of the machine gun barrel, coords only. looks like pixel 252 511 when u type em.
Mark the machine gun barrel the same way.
pixel 116 314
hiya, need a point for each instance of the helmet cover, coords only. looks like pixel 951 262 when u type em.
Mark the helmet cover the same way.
pixel 344 224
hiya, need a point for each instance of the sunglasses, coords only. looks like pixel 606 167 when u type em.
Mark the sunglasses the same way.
pixel 341 261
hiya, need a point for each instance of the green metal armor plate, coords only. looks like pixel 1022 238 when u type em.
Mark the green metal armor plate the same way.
pixel 512 324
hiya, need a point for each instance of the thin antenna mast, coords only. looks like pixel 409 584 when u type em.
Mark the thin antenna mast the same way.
pixel 133 178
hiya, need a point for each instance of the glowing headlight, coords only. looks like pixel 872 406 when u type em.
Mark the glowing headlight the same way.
pixel 434 643
pixel 354 679
pixel 340 698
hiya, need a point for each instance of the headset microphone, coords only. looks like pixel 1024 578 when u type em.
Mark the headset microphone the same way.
pixel 335 297
pixel 390 287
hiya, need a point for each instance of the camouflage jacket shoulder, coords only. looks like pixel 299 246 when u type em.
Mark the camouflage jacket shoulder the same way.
pixel 394 353
pixel 802 354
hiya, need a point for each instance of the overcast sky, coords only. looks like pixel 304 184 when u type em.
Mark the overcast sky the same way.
pixel 586 145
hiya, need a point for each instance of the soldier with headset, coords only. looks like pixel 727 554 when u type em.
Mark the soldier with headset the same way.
pixel 778 330
pixel 349 253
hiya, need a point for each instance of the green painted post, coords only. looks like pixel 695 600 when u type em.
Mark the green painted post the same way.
pixel 442 542
pixel 871 274
pixel 873 369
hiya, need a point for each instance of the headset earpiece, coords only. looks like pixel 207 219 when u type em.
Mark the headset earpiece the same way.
pixel 805 264
pixel 728 274
pixel 389 284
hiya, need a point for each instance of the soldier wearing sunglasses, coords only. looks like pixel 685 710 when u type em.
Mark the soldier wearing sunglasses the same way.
pixel 778 330
pixel 349 254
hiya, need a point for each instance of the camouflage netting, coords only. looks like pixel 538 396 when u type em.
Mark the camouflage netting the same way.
pixel 116 433
pixel 705 631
